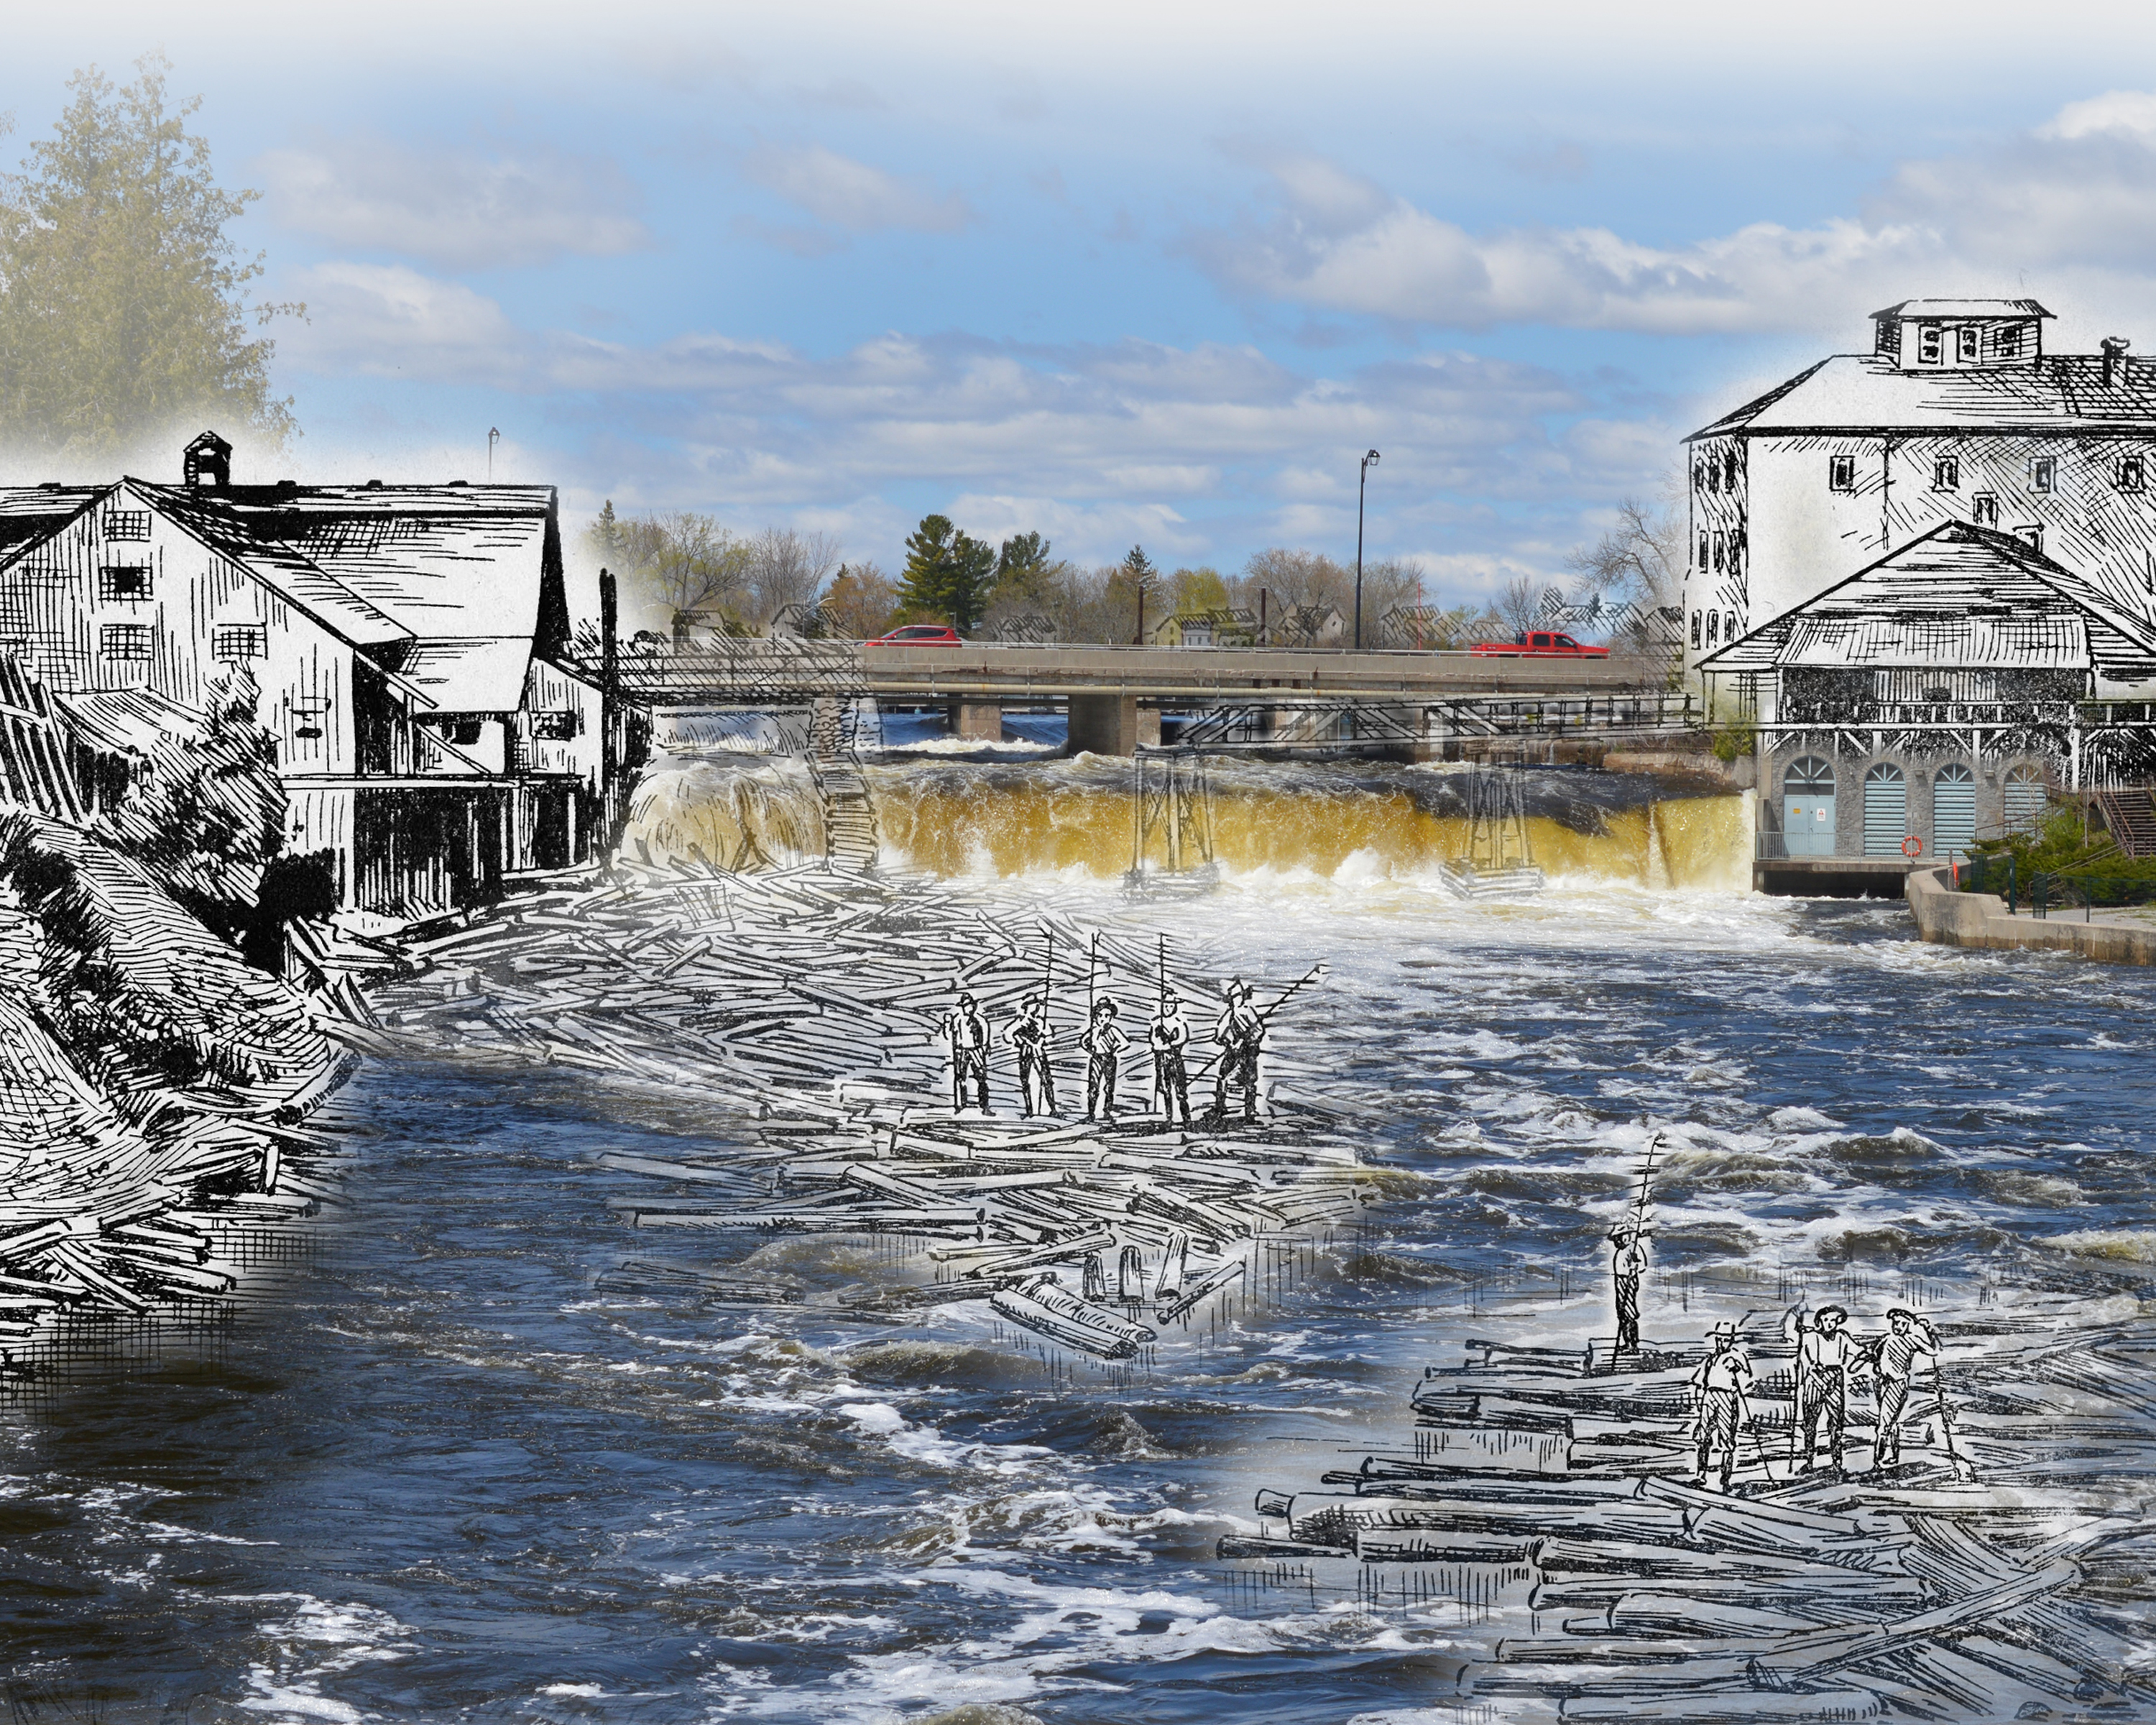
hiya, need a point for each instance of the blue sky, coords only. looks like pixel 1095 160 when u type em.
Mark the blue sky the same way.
pixel 1151 272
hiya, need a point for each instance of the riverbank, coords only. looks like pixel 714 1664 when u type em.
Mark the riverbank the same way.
pixel 1949 918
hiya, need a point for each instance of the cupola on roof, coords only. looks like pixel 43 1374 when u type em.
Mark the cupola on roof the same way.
pixel 1947 334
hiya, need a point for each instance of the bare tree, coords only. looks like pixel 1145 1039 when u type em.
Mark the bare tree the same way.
pixel 683 561
pixel 785 567
pixel 1641 558
pixel 1518 602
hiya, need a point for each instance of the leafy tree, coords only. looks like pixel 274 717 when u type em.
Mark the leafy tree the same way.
pixel 124 315
pixel 1192 590
pixel 948 574
pixel 861 601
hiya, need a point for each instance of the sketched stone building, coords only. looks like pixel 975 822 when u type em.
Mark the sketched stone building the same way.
pixel 1930 572
pixel 408 643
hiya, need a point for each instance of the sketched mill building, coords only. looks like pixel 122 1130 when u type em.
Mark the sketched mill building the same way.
pixel 1930 570
pixel 408 644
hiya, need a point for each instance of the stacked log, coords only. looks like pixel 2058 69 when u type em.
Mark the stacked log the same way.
pixel 802 1007
pixel 1797 1596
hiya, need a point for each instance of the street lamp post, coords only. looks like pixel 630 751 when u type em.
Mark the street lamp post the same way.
pixel 1361 486
pixel 493 437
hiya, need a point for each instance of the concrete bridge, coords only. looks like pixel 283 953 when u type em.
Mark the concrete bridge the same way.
pixel 1114 696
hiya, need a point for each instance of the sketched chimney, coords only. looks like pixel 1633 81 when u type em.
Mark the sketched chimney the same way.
pixel 2114 350
pixel 207 464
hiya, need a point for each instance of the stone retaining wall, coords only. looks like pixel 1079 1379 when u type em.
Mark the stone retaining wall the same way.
pixel 1949 918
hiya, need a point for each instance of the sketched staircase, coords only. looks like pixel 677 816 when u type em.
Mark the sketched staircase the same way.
pixel 2130 815
pixel 850 827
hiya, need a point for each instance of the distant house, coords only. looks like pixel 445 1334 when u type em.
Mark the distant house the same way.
pixel 1208 626
pixel 1026 629
pixel 804 621
pixel 407 643
pixel 1308 626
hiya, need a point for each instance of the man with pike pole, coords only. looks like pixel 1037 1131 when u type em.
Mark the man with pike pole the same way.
pixel 1241 1036
pixel 1103 1042
pixel 968 1032
pixel 1628 1260
pixel 1030 1037
pixel 1722 1381
pixel 1168 1036
pixel 1827 1358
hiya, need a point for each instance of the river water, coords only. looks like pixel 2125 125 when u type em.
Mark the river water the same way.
pixel 439 1477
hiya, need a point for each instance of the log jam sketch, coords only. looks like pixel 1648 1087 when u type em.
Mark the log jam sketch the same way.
pixel 614 1117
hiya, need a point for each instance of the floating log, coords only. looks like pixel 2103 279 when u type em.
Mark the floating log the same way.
pixel 1069 1321
pixel 1232 1546
pixel 1730 1707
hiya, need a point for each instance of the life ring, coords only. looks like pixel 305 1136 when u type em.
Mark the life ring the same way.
pixel 1912 847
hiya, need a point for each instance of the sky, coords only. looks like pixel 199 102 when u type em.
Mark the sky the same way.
pixel 1152 274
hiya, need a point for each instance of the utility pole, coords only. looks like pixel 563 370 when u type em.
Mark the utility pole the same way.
pixel 1362 485
pixel 493 437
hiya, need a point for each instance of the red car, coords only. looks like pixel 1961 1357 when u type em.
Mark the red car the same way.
pixel 921 634
pixel 1538 643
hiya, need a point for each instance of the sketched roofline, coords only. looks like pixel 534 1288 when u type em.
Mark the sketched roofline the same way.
pixel 92 497
pixel 1742 416
pixel 2074 588
pixel 199 524
pixel 2000 310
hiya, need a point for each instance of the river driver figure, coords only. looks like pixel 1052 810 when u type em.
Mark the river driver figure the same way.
pixel 1721 1381
pixel 1103 1043
pixel 1827 1355
pixel 1628 1264
pixel 1240 1034
pixel 1030 1037
pixel 1168 1036
pixel 968 1032
pixel 1894 1362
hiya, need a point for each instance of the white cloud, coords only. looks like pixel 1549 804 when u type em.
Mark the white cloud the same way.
pixel 852 195
pixel 2075 198
pixel 457 210
pixel 1100 445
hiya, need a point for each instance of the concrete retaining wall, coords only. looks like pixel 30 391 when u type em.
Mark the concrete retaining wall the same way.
pixel 1949 918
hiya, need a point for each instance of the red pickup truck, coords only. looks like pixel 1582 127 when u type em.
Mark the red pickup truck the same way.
pixel 1538 643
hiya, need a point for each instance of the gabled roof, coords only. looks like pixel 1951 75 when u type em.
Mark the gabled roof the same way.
pixel 439 561
pixel 2004 310
pixel 1958 596
pixel 1864 392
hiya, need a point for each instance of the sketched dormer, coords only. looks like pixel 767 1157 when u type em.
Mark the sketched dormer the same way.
pixel 1945 334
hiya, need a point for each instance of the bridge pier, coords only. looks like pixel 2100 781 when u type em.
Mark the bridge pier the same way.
pixel 975 721
pixel 1112 725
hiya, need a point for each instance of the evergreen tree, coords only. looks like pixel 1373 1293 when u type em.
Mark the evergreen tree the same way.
pixel 948 573
pixel 123 309
pixel 1139 580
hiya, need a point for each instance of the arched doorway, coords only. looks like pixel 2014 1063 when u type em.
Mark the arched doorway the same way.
pixel 1886 810
pixel 1807 807
pixel 1953 810
pixel 2022 798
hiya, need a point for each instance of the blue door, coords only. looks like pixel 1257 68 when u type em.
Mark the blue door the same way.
pixel 1807 807
pixel 1954 811
pixel 1886 810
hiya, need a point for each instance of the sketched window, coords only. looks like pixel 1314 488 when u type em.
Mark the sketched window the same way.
pixel 127 524
pixel 1695 629
pixel 2031 536
pixel 2044 474
pixel 2131 473
pixel 553 726
pixel 454 727
pixel 1985 510
pixel 233 642
pixel 127 584
pixel 1966 343
pixel 123 640
pixel 1946 474
pixel 1841 473
pixel 1703 551
pixel 1928 344
pixel 2009 344
pixel 1713 627
pixel 1717 553
pixel 1729 627
pixel 1729 471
